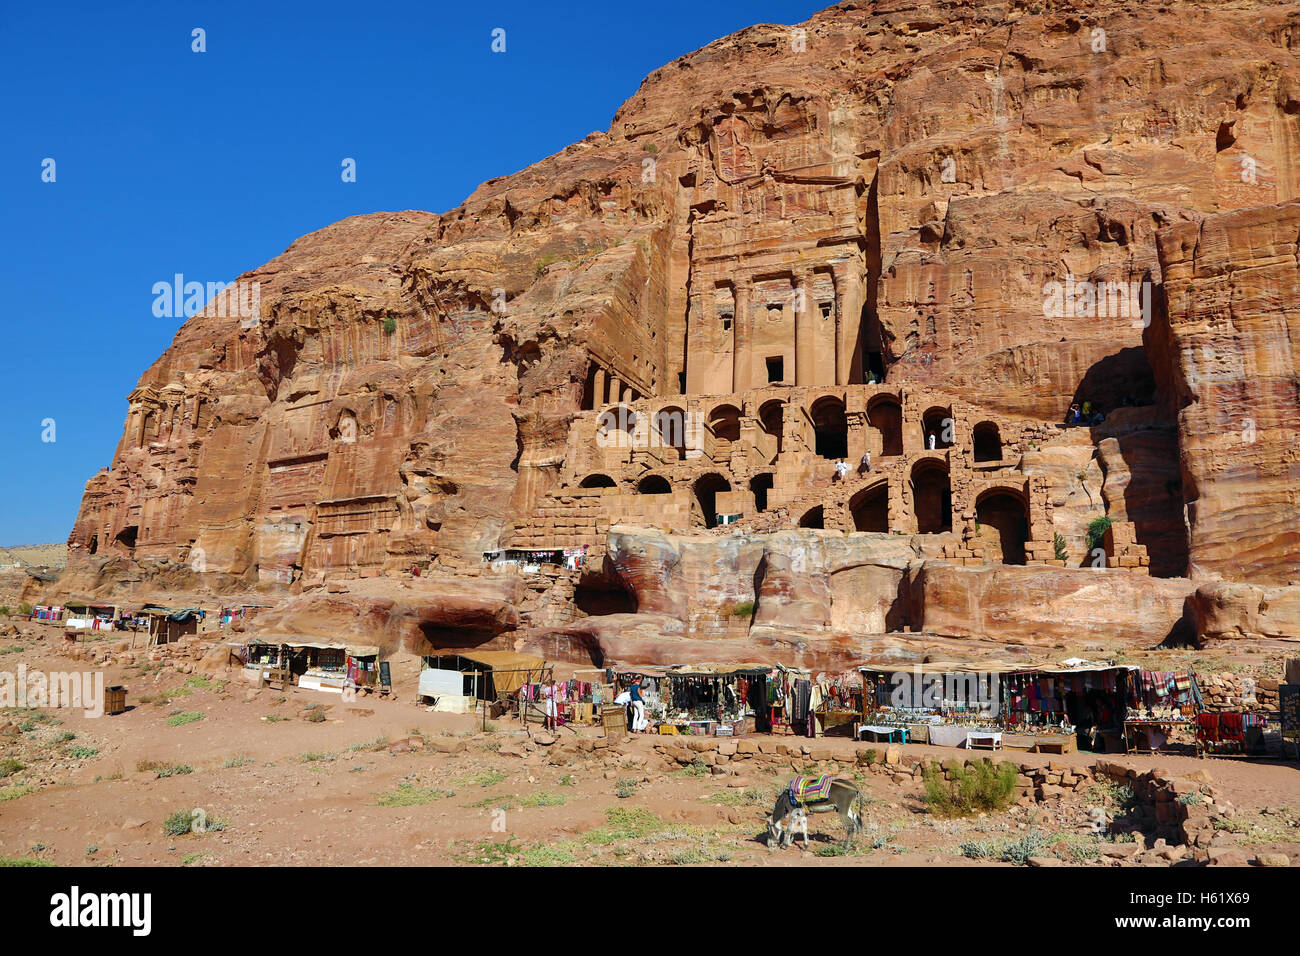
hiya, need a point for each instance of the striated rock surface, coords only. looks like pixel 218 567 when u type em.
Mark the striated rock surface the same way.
pixel 826 599
pixel 1232 345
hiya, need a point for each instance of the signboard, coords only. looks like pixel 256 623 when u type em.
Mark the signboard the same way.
pixel 1289 705
pixel 385 677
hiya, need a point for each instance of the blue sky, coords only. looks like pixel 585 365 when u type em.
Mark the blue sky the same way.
pixel 208 164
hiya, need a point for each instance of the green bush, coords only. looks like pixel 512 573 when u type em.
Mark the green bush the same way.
pixel 743 609
pixel 183 717
pixel 979 787
pixel 1058 545
pixel 390 325
pixel 178 823
pixel 1097 531
pixel 9 766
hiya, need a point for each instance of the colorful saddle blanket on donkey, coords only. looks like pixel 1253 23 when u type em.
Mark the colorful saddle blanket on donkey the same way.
pixel 805 790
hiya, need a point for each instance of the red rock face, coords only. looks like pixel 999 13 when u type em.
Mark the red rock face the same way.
pixel 969 196
pixel 1232 283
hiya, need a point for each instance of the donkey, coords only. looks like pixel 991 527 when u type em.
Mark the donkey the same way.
pixel 787 816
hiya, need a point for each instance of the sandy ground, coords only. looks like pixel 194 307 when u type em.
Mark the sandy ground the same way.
pixel 385 782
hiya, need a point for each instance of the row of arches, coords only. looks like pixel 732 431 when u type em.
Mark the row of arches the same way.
pixel 668 427
pixel 1004 510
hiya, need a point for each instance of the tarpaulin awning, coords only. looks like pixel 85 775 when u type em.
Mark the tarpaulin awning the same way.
pixel 510 669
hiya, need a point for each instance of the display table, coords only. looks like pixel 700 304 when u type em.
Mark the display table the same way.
pixel 1156 731
pixel 1056 743
pixel 879 730
pixel 953 735
pixel 992 739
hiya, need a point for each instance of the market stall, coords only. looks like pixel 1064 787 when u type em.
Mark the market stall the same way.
pixel 48 613
pixel 837 705
pixel 1160 703
pixel 941 703
pixel 166 626
pixel 491 681
pixel 724 700
pixel 318 665
pixel 97 617
pixel 1075 706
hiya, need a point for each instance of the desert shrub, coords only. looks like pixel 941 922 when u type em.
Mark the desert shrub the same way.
pixel 9 766
pixel 409 795
pixel 1017 851
pixel 542 798
pixel 625 788
pixel 178 823
pixel 1030 843
pixel 316 716
pixel 1097 530
pixel 972 788
pixel 390 325
pixel 182 717
pixel 1058 547
pixel 743 609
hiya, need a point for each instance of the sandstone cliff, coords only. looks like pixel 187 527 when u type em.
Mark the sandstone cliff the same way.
pixel 932 169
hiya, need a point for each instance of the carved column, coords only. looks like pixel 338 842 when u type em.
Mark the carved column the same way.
pixel 805 369
pixel 598 388
pixel 742 360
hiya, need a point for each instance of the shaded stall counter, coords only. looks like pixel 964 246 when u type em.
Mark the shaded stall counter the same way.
pixel 714 700
pixel 311 663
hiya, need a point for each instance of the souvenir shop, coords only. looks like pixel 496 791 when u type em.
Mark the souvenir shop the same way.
pixel 1096 707
pixel 259 653
pixel 578 700
pixel 97 617
pixel 48 613
pixel 167 626
pixel 1068 708
pixel 653 685
pixel 317 665
pixel 724 700
pixel 1160 704
pixel 492 678
pixel 837 705
pixel 945 704
pixel 361 667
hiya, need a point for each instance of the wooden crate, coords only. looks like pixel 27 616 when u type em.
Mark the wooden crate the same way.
pixel 614 720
